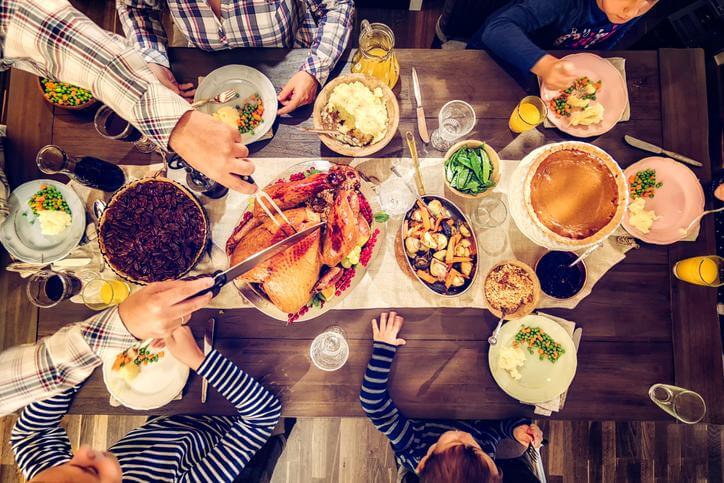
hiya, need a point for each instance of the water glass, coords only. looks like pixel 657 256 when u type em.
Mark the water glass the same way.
pixel 329 350
pixel 47 288
pixel 685 405
pixel 100 294
pixel 112 126
pixel 456 119
pixel 529 113
pixel 395 197
pixel 490 213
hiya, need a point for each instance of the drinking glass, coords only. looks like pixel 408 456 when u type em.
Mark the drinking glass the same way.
pixel 329 350
pixel 92 172
pixel 529 113
pixel 685 405
pixel 490 213
pixel 395 197
pixel 112 126
pixel 100 294
pixel 47 288
pixel 707 270
pixel 456 119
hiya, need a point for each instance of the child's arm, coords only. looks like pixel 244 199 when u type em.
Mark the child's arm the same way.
pixel 374 396
pixel 37 439
pixel 506 34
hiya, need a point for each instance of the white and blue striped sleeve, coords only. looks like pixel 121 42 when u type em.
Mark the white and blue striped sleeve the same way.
pixel 378 404
pixel 37 439
pixel 258 413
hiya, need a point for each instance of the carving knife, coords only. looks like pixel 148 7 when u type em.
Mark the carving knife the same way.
pixel 222 278
pixel 652 148
pixel 208 345
pixel 421 124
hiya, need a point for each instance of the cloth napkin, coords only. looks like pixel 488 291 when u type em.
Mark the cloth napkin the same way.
pixel 556 404
pixel 620 64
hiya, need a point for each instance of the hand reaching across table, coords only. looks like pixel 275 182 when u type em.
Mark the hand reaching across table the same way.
pixel 160 308
pixel 555 73
pixel 388 329
pixel 213 148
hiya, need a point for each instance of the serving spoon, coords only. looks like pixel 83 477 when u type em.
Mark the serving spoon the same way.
pixel 493 339
pixel 685 231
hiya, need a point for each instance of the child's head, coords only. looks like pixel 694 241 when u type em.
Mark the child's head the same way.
pixel 457 457
pixel 622 11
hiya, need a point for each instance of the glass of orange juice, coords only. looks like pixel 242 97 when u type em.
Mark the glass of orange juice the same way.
pixel 529 113
pixel 100 294
pixel 707 270
pixel 376 53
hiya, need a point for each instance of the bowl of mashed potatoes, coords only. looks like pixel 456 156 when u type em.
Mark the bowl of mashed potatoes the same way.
pixel 362 111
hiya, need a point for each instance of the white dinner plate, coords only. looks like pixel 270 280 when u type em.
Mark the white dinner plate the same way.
pixel 21 235
pixel 541 380
pixel 246 81
pixel 155 386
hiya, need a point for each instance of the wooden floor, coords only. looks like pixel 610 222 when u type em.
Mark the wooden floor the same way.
pixel 351 450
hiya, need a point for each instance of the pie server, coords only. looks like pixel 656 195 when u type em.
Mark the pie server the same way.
pixel 222 278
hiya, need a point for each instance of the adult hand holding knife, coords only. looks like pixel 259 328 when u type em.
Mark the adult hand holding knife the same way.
pixel 421 123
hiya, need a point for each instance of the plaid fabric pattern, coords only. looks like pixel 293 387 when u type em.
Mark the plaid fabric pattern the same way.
pixel 323 26
pixel 54 364
pixel 51 38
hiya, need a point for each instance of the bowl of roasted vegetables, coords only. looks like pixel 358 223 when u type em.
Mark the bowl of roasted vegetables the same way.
pixel 471 169
pixel 440 246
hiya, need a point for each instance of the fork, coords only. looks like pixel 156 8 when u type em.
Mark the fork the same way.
pixel 260 195
pixel 220 98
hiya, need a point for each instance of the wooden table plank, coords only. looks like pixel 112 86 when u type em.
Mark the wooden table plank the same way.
pixel 696 330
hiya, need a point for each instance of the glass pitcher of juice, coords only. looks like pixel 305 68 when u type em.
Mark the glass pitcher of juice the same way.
pixel 375 55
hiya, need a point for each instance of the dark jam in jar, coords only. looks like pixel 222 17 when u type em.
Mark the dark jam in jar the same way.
pixel 557 279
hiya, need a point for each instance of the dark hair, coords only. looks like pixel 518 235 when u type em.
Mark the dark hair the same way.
pixel 459 464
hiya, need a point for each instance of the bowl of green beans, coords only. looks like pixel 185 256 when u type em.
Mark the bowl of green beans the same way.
pixel 64 95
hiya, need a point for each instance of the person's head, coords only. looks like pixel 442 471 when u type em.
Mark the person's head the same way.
pixel 457 457
pixel 622 11
pixel 87 466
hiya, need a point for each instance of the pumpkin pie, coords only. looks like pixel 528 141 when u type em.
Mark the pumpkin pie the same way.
pixel 575 193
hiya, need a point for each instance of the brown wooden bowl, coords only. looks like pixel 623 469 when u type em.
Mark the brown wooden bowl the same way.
pixel 494 159
pixel 339 147
pixel 525 309
pixel 80 107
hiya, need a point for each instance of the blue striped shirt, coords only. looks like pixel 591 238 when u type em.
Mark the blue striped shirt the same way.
pixel 411 438
pixel 175 448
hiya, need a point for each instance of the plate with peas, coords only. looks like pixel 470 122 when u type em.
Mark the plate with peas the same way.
pixel 664 198
pixel 46 222
pixel 534 360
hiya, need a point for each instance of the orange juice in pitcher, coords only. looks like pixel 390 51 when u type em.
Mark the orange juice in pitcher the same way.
pixel 375 55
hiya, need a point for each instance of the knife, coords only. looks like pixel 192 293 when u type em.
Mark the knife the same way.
pixel 222 278
pixel 208 345
pixel 652 148
pixel 421 125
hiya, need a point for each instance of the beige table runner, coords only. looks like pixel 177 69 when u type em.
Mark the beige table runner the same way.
pixel 384 285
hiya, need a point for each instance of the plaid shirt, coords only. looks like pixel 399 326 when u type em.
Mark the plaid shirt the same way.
pixel 54 364
pixel 51 38
pixel 322 25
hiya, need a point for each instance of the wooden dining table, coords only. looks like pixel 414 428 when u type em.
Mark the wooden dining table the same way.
pixel 640 324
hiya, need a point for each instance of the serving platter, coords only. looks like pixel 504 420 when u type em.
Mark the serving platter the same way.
pixel 677 202
pixel 246 81
pixel 257 298
pixel 21 235
pixel 541 380
pixel 613 94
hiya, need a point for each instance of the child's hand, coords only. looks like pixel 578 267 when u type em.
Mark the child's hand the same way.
pixel 528 434
pixel 556 73
pixel 388 329
pixel 183 346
